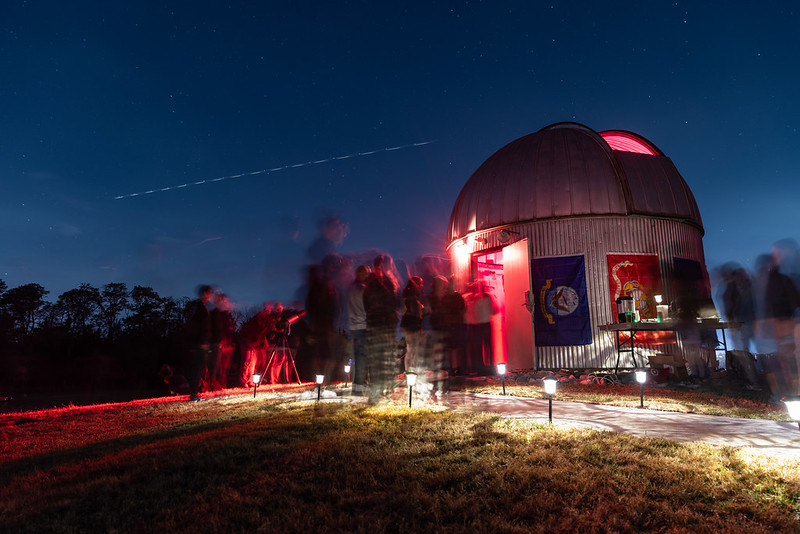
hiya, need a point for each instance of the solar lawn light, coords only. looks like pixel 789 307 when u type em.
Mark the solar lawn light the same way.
pixel 347 372
pixel 256 380
pixel 501 370
pixel 661 309
pixel 550 388
pixel 793 407
pixel 320 378
pixel 641 378
pixel 411 379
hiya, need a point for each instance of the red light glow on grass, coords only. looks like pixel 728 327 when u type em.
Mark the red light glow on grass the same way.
pixel 13 418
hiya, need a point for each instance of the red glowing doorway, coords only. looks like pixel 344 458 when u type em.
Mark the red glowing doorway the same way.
pixel 507 272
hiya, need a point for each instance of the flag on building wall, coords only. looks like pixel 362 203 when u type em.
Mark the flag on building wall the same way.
pixel 636 276
pixel 561 314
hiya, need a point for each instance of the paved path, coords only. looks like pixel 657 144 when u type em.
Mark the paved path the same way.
pixel 771 438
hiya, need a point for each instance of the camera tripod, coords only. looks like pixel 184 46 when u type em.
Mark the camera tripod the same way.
pixel 282 342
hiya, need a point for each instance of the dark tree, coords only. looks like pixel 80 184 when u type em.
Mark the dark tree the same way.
pixel 5 319
pixel 23 304
pixel 80 305
pixel 146 310
pixel 173 315
pixel 53 315
pixel 113 301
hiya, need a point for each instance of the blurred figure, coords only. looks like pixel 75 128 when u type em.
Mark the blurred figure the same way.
pixel 277 314
pixel 253 343
pixel 764 332
pixel 411 323
pixel 481 307
pixel 321 307
pixel 357 322
pixel 380 305
pixel 455 309
pixel 174 383
pixel 739 305
pixel 223 329
pixel 198 336
pixel 781 300
pixel 685 309
pixel 786 253
pixel 332 232
pixel 443 313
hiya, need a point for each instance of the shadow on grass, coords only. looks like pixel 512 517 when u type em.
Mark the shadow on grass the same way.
pixel 54 459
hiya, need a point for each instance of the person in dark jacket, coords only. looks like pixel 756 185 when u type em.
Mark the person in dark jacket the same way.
pixel 357 323
pixel 781 301
pixel 739 306
pixel 411 323
pixel 455 309
pixel 223 331
pixel 380 305
pixel 198 336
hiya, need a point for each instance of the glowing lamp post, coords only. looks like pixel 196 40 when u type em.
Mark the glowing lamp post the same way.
pixel 641 378
pixel 793 407
pixel 550 389
pixel 256 380
pixel 320 378
pixel 501 370
pixel 661 309
pixel 347 372
pixel 411 378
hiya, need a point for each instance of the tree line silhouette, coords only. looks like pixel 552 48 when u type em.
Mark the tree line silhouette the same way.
pixel 88 339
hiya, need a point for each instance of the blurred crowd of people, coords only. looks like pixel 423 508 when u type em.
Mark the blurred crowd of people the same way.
pixel 359 315
pixel 763 307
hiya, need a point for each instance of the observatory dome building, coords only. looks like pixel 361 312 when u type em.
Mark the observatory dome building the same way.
pixel 562 222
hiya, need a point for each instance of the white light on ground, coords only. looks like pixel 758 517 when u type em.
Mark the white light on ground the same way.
pixel 550 389
pixel 641 378
pixel 550 385
pixel 320 378
pixel 793 407
pixel 411 380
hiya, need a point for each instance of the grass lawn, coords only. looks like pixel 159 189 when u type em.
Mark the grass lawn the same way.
pixel 240 464
pixel 724 398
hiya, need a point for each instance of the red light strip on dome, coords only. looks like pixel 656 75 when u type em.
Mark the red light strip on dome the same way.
pixel 627 143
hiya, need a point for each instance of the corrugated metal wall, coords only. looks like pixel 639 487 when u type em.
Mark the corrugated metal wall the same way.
pixel 594 238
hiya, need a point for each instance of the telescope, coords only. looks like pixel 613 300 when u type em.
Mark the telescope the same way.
pixel 283 324
pixel 279 340
pixel 294 318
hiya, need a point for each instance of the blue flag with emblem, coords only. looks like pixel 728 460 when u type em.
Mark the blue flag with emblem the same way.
pixel 561 314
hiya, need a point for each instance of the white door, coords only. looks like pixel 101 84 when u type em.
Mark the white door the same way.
pixel 519 321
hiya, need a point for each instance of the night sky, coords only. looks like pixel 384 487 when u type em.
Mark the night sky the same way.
pixel 99 100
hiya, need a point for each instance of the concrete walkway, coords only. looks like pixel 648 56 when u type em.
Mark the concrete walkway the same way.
pixel 771 438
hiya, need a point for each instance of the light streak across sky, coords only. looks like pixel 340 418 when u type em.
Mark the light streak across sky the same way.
pixel 276 169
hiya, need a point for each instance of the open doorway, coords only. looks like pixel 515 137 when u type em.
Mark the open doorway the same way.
pixel 506 271
pixel 489 268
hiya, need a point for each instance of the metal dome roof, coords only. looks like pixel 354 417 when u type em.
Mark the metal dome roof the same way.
pixel 569 170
